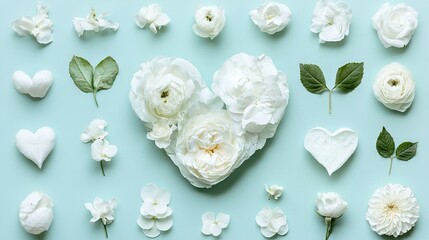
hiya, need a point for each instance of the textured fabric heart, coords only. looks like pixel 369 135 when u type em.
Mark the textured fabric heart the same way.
pixel 36 87
pixel 36 146
pixel 331 150
pixel 209 134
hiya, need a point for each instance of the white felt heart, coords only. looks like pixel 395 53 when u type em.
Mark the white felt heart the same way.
pixel 331 150
pixel 36 87
pixel 36 146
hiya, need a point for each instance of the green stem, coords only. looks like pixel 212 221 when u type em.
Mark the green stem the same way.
pixel 105 230
pixel 95 97
pixel 330 101
pixel 328 222
pixel 390 164
pixel 102 168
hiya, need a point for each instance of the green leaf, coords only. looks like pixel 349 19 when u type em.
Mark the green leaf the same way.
pixel 406 151
pixel 81 71
pixel 349 77
pixel 385 144
pixel 312 78
pixel 105 74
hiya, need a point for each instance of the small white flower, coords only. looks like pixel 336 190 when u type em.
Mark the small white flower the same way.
pixel 331 206
pixel 209 21
pixel 274 191
pixel 35 213
pixel 161 133
pixel 153 16
pixel 152 226
pixel 392 210
pixel 394 87
pixel 331 20
pixel 92 22
pixel 102 150
pixel 40 26
pixel 103 210
pixel 272 222
pixel 271 17
pixel 213 225
pixel 94 131
pixel 395 24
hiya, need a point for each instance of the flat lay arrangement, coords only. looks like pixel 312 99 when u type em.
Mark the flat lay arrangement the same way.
pixel 211 119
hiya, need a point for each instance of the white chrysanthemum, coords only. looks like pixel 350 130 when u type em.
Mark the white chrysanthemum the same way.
pixel 393 210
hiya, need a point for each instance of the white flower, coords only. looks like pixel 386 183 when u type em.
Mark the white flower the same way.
pixel 161 133
pixel 395 24
pixel 102 150
pixel 153 16
pixel 94 131
pixel 330 205
pixel 272 222
pixel 155 214
pixel 209 21
pixel 255 93
pixel 163 90
pixel 36 213
pixel 392 210
pixel 209 147
pixel 331 20
pixel 394 87
pixel 213 225
pixel 40 26
pixel 271 17
pixel 103 210
pixel 92 22
pixel 274 191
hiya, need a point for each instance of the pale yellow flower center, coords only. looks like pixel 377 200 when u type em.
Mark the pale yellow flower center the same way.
pixel 391 208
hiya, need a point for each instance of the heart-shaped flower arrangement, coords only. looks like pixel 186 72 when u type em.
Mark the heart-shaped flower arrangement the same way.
pixel 204 139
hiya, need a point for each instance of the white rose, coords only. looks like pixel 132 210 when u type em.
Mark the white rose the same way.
pixel 395 24
pixel 36 213
pixel 394 87
pixel 271 17
pixel 255 93
pixel 331 20
pixel 163 90
pixel 209 147
pixel 209 21
pixel 330 205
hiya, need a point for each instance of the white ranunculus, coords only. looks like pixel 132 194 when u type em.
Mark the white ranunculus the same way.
pixel 255 93
pixel 394 87
pixel 395 24
pixel 272 222
pixel 209 21
pixel 92 22
pixel 331 20
pixel 392 210
pixel 330 205
pixel 153 16
pixel 36 213
pixel 271 17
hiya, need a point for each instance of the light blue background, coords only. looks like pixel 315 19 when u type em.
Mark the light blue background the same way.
pixel 72 178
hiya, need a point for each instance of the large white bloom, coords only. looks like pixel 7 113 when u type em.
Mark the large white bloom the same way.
pixel 392 210
pixel 153 16
pixel 330 205
pixel 40 26
pixel 213 224
pixel 331 20
pixel 209 21
pixel 255 93
pixel 272 222
pixel 101 209
pixel 36 213
pixel 92 22
pixel 271 17
pixel 395 24
pixel 394 87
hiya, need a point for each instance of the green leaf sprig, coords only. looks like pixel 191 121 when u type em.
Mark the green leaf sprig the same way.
pixel 348 78
pixel 90 80
pixel 386 148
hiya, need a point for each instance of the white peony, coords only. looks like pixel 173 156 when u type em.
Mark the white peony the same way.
pixel 255 93
pixel 271 17
pixel 153 16
pixel 394 87
pixel 92 22
pixel 395 24
pixel 36 213
pixel 331 20
pixel 330 205
pixel 392 210
pixel 272 222
pixel 209 21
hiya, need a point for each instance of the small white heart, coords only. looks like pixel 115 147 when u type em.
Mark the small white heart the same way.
pixel 36 146
pixel 36 87
pixel 331 150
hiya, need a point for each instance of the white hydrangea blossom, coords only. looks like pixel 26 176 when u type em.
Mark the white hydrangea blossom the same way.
pixel 153 16
pixel 213 224
pixel 272 222
pixel 92 22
